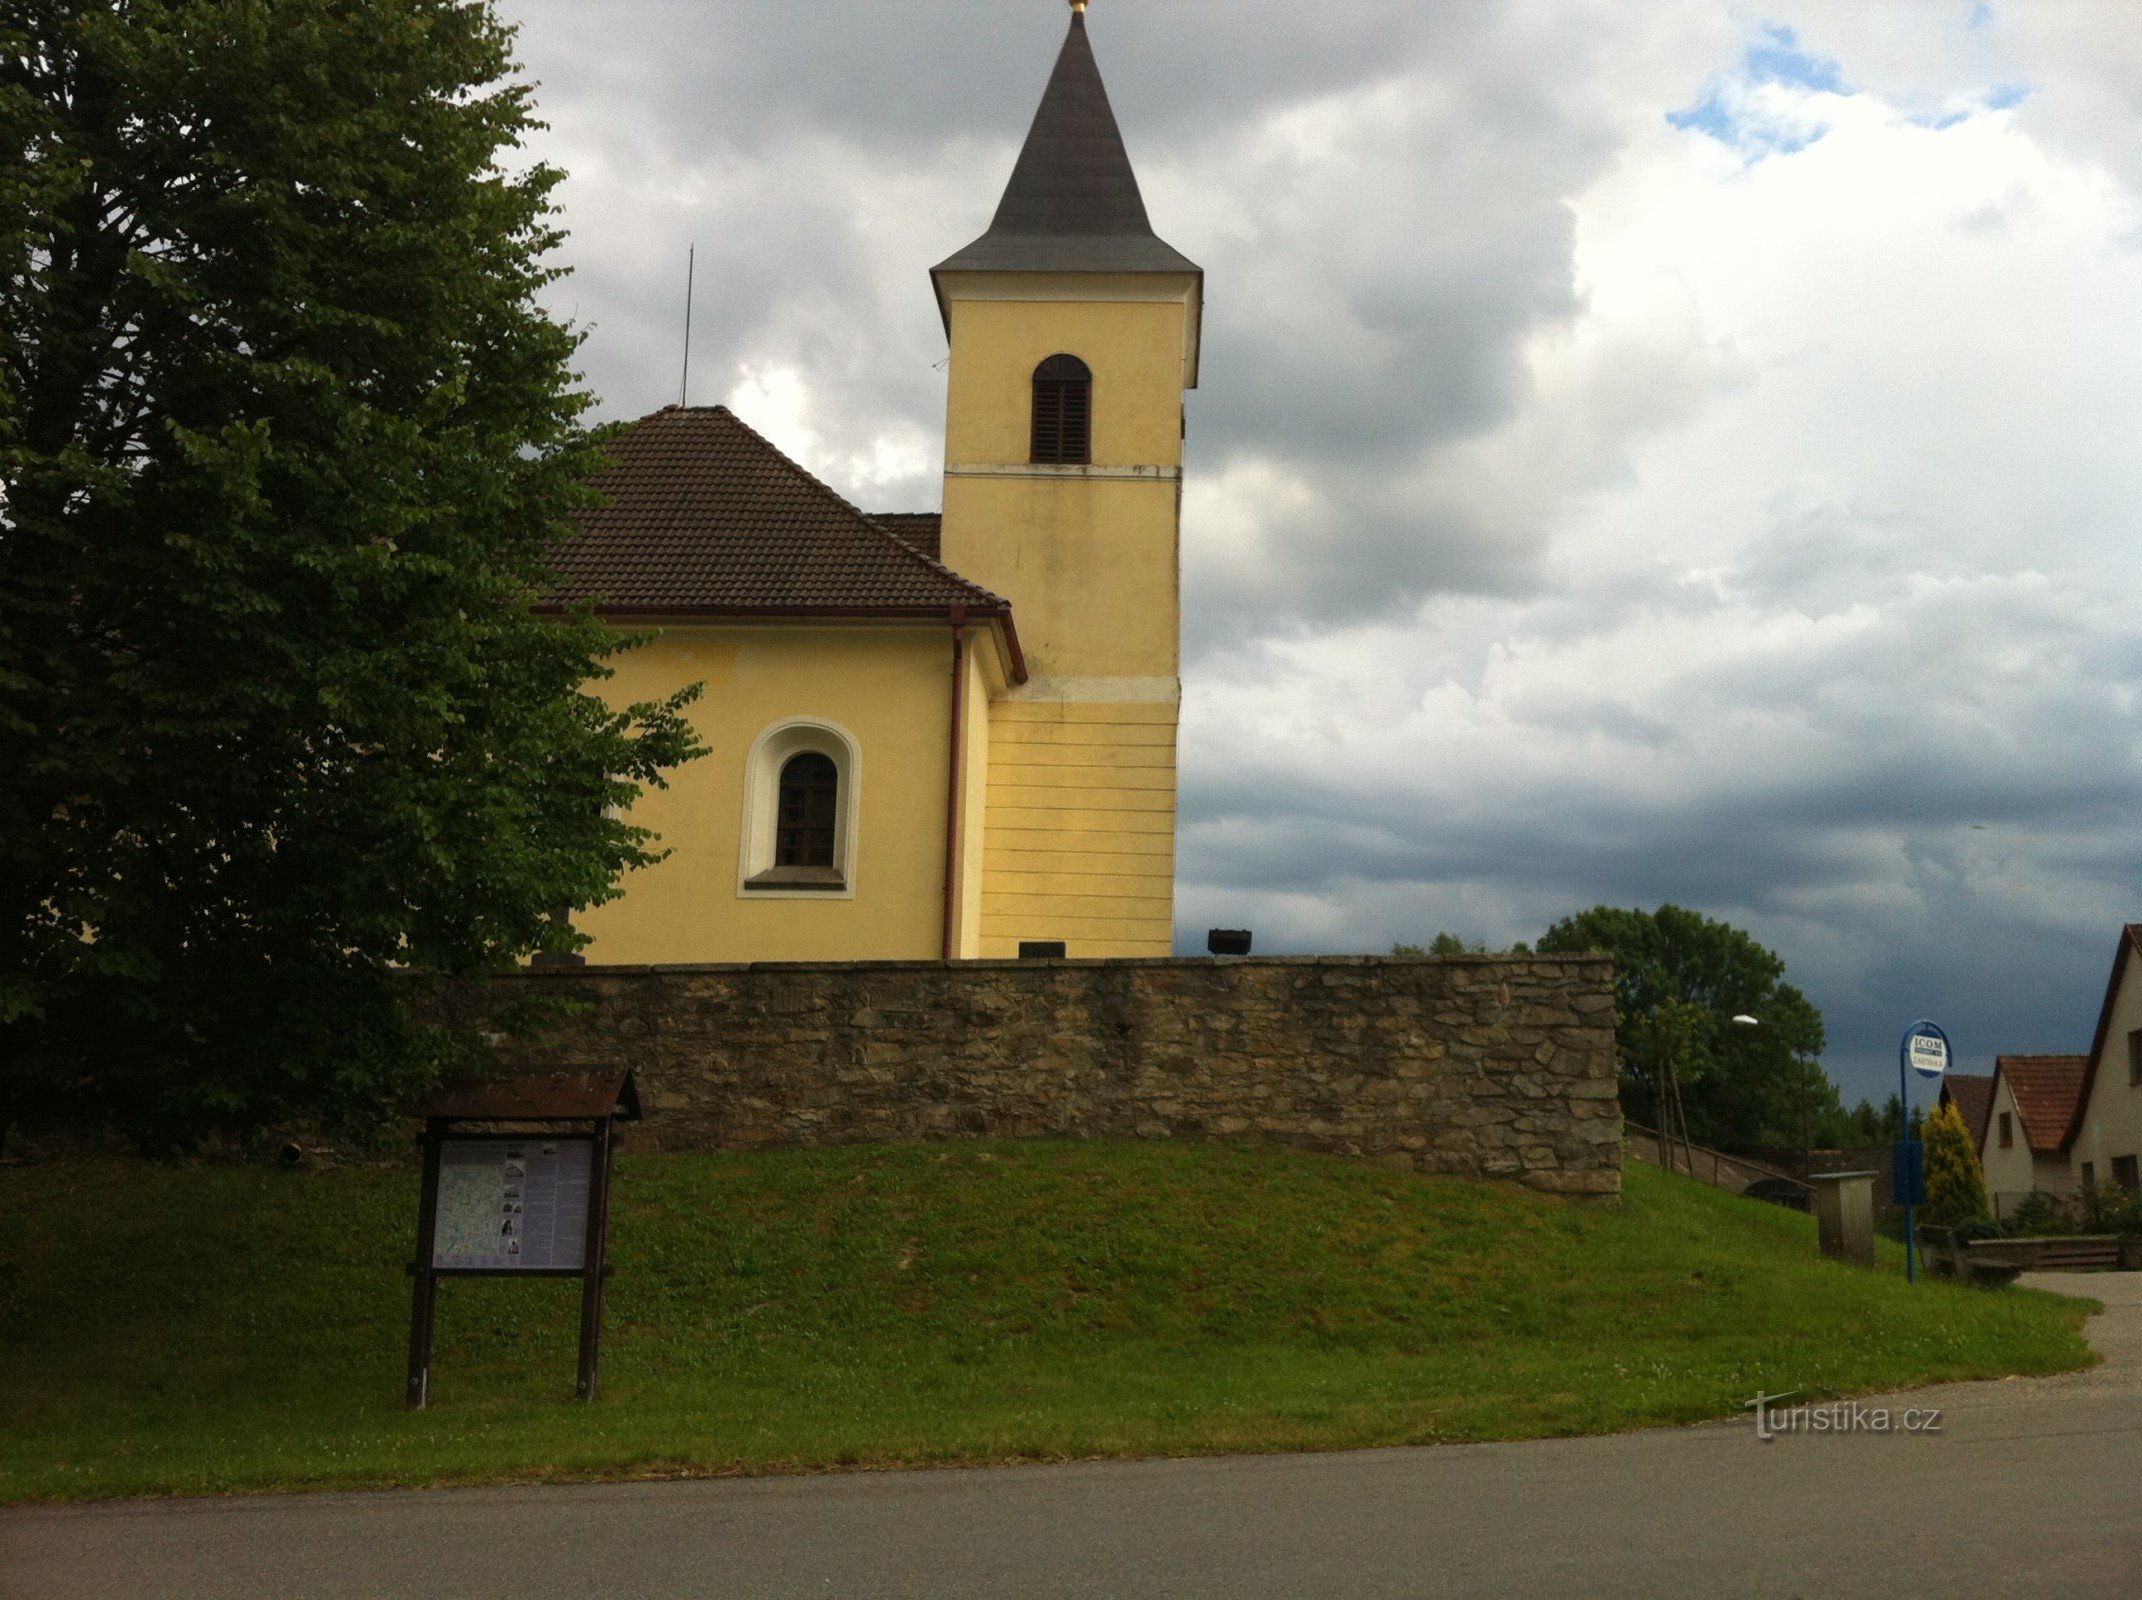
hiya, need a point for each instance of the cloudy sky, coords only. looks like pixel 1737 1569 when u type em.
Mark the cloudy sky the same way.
pixel 1648 449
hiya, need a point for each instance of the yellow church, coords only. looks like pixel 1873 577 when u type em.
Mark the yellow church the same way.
pixel 930 735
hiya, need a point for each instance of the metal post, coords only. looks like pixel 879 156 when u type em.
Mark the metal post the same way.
pixel 1807 1116
pixel 1904 1143
pixel 424 1284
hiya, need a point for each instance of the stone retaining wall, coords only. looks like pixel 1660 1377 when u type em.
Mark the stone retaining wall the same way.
pixel 1496 1066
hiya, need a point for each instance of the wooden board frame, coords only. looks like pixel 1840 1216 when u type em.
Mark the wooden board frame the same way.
pixel 593 1271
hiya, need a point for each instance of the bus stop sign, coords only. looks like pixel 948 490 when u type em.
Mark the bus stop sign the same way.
pixel 1927 1052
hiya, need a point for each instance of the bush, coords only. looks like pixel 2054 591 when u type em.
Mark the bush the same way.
pixel 2038 1214
pixel 2119 1211
pixel 1981 1227
pixel 1955 1188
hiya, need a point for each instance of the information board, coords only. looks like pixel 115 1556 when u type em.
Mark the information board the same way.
pixel 1908 1164
pixel 513 1205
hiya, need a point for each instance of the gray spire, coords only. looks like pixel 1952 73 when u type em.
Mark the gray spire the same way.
pixel 1072 204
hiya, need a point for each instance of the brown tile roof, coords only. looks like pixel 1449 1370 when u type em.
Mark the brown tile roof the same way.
pixel 705 517
pixel 2047 1091
pixel 1972 1095
pixel 922 529
pixel 561 1097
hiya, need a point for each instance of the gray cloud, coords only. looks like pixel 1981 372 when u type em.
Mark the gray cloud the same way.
pixel 1935 811
pixel 730 77
pixel 1380 198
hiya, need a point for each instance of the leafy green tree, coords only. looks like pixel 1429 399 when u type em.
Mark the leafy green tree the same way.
pixel 1886 1126
pixel 1679 979
pixel 1444 944
pixel 1449 944
pixel 1955 1187
pixel 284 437
pixel 1836 1127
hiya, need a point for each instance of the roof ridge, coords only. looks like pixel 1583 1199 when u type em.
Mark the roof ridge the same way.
pixel 2130 942
pixel 936 565
pixel 900 545
pixel 879 518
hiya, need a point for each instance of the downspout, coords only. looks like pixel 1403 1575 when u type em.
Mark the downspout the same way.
pixel 955 783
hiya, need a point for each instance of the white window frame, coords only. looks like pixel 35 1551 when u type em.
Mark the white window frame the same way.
pixel 772 750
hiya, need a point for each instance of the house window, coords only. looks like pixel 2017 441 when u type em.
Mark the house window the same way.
pixel 2123 1173
pixel 1063 411
pixel 810 791
pixel 2134 1056
pixel 2008 1130
pixel 798 833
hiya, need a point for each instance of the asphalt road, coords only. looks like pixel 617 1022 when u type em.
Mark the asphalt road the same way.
pixel 2030 1487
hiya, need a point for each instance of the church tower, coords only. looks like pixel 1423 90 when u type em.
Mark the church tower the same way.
pixel 1074 334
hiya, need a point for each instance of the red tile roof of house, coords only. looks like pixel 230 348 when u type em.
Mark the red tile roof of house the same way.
pixel 2047 1091
pixel 705 517
pixel 1972 1095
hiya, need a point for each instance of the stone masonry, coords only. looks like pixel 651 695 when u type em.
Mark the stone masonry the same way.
pixel 1493 1066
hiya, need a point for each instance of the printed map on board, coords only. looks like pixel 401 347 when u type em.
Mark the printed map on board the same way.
pixel 468 1212
pixel 513 1205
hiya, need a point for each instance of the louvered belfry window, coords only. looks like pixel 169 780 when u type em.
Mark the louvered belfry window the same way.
pixel 810 790
pixel 1063 411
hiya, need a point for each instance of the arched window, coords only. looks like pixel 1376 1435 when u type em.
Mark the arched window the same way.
pixel 810 801
pixel 798 834
pixel 1063 411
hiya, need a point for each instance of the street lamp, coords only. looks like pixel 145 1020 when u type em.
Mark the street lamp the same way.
pixel 1807 1103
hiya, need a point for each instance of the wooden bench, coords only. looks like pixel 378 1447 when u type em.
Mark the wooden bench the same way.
pixel 2078 1255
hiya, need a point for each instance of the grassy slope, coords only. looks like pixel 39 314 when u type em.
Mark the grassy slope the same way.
pixel 189 1330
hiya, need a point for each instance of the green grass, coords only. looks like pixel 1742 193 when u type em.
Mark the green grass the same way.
pixel 199 1329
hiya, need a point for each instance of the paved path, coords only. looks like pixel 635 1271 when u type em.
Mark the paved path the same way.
pixel 2032 1487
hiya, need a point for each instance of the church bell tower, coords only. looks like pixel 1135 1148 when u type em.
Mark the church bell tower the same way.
pixel 1074 334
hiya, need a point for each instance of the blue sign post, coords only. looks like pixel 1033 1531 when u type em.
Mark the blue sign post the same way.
pixel 1924 1049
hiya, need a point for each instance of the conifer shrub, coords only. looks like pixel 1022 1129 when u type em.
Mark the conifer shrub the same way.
pixel 1955 1186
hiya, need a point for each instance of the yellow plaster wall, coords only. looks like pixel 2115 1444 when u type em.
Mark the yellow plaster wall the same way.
pixel 1079 834
pixel 889 686
pixel 1081 828
pixel 1089 561
pixel 1090 569
pixel 1133 347
pixel 974 802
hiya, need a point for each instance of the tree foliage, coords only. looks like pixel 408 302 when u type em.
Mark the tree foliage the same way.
pixel 1955 1185
pixel 1679 980
pixel 1451 944
pixel 284 437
